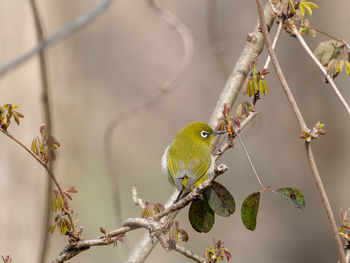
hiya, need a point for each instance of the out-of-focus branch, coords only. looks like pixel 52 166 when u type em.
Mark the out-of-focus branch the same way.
pixel 47 113
pixel 166 88
pixel 303 126
pixel 254 45
pixel 320 66
pixel 64 32
pixel 216 44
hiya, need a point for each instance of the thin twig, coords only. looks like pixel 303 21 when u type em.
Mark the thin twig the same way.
pixel 47 112
pixel 274 43
pixel 71 251
pixel 328 35
pixel 52 176
pixel 320 66
pixel 303 126
pixel 229 143
pixel 250 162
pixel 137 201
pixel 190 254
pixel 216 43
pixel 64 32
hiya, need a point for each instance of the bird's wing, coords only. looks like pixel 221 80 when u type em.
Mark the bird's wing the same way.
pixel 192 174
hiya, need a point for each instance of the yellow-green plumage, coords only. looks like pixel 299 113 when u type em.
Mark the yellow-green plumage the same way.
pixel 187 160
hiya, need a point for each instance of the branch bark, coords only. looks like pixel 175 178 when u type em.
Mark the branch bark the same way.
pixel 303 126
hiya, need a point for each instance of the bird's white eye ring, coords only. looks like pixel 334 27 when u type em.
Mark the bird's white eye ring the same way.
pixel 204 134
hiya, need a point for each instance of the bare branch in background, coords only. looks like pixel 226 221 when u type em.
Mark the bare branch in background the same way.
pixel 320 66
pixel 64 32
pixel 303 126
pixel 216 44
pixel 48 122
pixel 166 88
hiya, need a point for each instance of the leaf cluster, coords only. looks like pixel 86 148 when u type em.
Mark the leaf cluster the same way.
pixel 58 206
pixel 344 229
pixel 217 252
pixel 334 56
pixel 149 210
pixel 40 146
pixel 7 113
pixel 315 133
pixel 216 199
pixel 255 83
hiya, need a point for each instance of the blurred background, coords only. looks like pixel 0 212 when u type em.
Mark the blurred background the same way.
pixel 122 58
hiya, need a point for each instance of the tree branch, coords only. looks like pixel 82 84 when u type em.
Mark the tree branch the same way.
pixel 66 31
pixel 190 254
pixel 323 70
pixel 303 126
pixel 47 113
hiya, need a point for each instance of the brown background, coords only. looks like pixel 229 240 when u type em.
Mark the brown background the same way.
pixel 121 59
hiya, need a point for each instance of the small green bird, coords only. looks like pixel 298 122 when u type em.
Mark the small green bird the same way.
pixel 187 160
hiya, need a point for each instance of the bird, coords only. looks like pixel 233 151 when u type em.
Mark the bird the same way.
pixel 187 161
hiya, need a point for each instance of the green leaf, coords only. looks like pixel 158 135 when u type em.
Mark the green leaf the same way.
pixel 311 5
pixel 261 87
pixel 249 84
pixel 301 8
pixel 347 67
pixel 220 200
pixel 249 210
pixel 34 146
pixel 292 195
pixel 53 204
pixel 328 50
pixel 201 216
pixel 265 87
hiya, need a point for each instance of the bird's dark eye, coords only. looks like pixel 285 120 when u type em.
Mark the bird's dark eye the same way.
pixel 204 134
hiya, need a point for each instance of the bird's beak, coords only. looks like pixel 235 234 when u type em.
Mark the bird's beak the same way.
pixel 218 132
